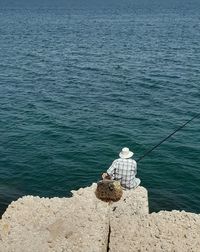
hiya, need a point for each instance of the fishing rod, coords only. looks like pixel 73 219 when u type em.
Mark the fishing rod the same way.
pixel 179 128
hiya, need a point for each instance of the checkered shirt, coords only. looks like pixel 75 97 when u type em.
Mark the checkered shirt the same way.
pixel 124 170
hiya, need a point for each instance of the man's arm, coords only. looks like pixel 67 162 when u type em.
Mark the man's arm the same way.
pixel 109 172
pixel 135 168
pixel 106 176
pixel 111 169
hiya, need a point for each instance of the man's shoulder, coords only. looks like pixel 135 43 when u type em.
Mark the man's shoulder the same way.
pixel 124 160
pixel 117 160
pixel 128 160
pixel 133 160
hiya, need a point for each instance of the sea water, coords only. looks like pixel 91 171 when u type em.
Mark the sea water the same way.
pixel 79 80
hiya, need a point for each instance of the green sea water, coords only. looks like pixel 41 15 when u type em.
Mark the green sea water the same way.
pixel 80 81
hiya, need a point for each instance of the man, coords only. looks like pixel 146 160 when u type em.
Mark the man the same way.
pixel 124 169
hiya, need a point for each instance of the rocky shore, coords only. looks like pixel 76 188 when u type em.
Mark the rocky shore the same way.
pixel 87 224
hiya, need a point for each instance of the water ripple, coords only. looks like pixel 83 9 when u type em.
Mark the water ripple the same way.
pixel 77 87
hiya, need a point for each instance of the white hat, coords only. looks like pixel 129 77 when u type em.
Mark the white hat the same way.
pixel 126 153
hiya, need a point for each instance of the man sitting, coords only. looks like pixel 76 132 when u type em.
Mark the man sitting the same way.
pixel 124 170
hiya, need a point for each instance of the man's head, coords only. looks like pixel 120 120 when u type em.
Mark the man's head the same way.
pixel 125 153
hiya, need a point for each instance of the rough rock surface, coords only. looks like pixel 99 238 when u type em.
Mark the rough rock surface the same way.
pixel 80 223
pixel 133 202
pixel 36 224
pixel 83 223
pixel 164 231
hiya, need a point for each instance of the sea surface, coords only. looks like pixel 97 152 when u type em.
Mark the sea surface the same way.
pixel 79 80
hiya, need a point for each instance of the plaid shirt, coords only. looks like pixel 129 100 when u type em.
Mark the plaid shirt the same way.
pixel 124 170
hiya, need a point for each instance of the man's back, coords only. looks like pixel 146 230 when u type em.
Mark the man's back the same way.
pixel 124 170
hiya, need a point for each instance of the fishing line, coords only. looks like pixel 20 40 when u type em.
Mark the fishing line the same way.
pixel 162 141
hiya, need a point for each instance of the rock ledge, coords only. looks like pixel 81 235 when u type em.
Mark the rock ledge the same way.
pixel 84 223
